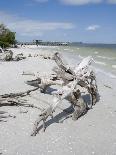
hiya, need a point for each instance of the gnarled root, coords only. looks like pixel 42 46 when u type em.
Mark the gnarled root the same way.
pixel 42 117
pixel 80 107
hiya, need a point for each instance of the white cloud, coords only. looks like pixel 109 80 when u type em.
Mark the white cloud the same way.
pixel 79 2
pixel 28 27
pixel 93 27
pixel 41 1
pixel 111 1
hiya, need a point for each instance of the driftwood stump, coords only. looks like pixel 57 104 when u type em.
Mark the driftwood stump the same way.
pixel 70 79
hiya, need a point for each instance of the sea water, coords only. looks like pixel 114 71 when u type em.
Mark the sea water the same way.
pixel 104 55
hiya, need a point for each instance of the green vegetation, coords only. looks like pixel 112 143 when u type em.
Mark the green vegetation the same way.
pixel 7 37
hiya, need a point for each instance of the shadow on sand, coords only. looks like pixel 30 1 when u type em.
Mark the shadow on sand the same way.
pixel 66 113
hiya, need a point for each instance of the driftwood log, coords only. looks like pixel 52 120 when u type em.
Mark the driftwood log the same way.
pixel 15 99
pixel 71 80
pixel 19 57
pixel 8 55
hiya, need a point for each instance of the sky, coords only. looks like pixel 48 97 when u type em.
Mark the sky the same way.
pixel 90 21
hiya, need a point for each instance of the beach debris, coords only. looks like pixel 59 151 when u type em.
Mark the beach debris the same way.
pixel 108 86
pixel 4 115
pixel 1 50
pixel 19 57
pixel 29 55
pixel 7 55
pixel 28 73
pixel 71 81
pixel 47 56
pixel 44 81
pixel 16 99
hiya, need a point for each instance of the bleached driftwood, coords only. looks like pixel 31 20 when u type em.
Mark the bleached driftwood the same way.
pixel 19 57
pixel 15 99
pixel 46 56
pixel 8 55
pixel 4 115
pixel 43 81
pixel 82 76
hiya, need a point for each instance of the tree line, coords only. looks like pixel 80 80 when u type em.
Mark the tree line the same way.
pixel 7 37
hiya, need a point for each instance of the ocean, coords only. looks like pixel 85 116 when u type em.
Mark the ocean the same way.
pixel 104 55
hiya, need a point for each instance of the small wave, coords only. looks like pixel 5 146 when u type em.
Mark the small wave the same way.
pixel 99 56
pixel 106 73
pixel 66 49
pixel 96 52
pixel 80 57
pixel 101 63
pixel 114 66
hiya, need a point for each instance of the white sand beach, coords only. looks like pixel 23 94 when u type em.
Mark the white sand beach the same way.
pixel 92 134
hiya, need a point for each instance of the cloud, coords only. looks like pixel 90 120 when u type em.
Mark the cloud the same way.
pixel 111 1
pixel 41 1
pixel 29 27
pixel 93 27
pixel 33 27
pixel 79 2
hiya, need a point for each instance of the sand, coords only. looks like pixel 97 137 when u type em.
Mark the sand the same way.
pixel 93 133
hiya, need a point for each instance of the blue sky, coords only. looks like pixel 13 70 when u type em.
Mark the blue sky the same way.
pixel 92 21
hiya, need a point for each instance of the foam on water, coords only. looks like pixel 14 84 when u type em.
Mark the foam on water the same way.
pixel 80 57
pixel 103 57
pixel 66 49
pixel 96 52
pixel 101 63
pixel 114 66
pixel 105 73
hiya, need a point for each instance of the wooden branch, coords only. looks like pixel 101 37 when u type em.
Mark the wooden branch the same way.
pixel 43 82
pixel 28 73
pixel 15 102
pixel 80 106
pixel 62 74
pixel 8 55
pixel 82 76
pixel 14 95
pixel 67 90
pixel 62 63
pixel 13 99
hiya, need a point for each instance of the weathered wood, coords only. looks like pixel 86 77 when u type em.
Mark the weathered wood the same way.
pixel 14 99
pixel 66 91
pixel 81 76
pixel 21 94
pixel 19 57
pixel 62 63
pixel 8 55
pixel 62 74
pixel 43 82
pixel 80 106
